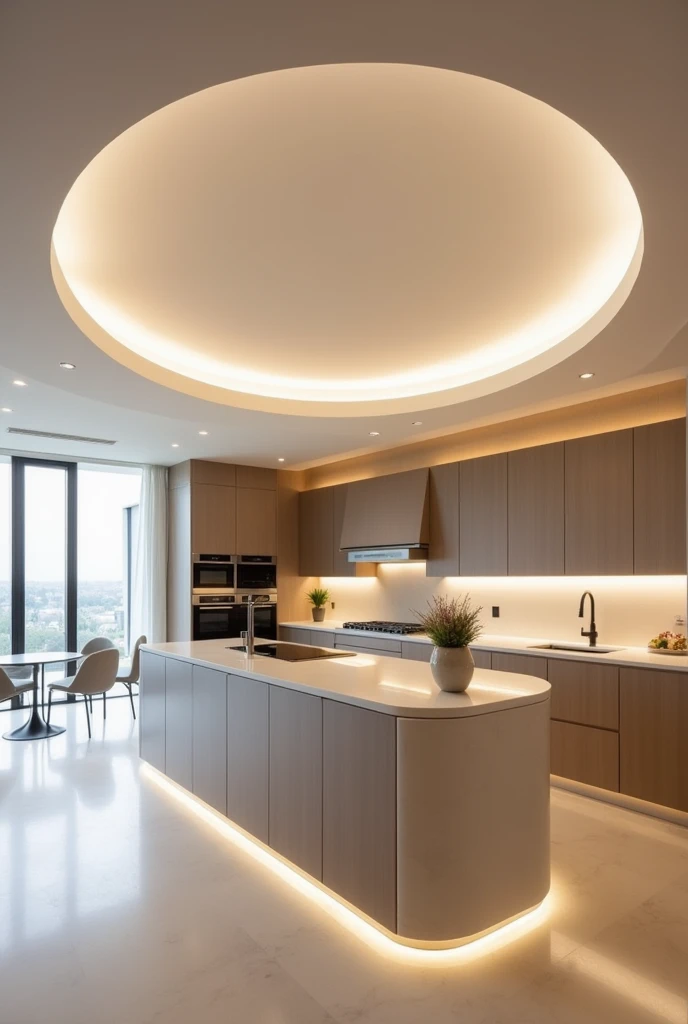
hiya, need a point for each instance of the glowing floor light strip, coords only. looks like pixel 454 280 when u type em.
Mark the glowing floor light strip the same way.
pixel 377 940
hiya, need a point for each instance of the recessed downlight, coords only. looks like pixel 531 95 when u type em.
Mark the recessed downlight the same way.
pixel 417 423
pixel 374 433
pixel 203 433
pixel 68 366
pixel 5 409
pixel 175 445
pixel 19 383
pixel 280 460
pixel 586 376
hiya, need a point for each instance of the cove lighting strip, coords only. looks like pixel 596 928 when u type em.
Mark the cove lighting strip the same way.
pixel 382 943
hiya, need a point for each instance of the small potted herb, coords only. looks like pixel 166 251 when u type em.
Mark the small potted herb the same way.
pixel 318 598
pixel 452 624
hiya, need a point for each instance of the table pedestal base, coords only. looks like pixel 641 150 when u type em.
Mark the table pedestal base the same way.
pixel 34 729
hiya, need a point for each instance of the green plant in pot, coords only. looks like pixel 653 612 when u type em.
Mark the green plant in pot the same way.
pixel 318 598
pixel 452 624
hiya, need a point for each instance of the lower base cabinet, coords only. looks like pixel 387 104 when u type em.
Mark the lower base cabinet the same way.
pixel 295 820
pixel 248 739
pixel 585 754
pixel 210 736
pixel 152 710
pixel 179 722
pixel 359 808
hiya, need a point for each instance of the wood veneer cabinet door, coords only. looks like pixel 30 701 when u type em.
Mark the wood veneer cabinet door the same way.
pixel 341 566
pixel 483 516
pixel 654 736
pixel 178 722
pixel 248 730
pixel 527 664
pixel 443 552
pixel 586 694
pixel 256 521
pixel 203 472
pixel 536 511
pixel 210 736
pixel 316 541
pixel 256 476
pixel 599 504
pixel 359 808
pixel 213 519
pixel 152 710
pixel 295 828
pixel 585 754
pixel 659 497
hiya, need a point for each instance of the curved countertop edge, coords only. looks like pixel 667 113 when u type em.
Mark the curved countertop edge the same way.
pixel 404 689
pixel 629 657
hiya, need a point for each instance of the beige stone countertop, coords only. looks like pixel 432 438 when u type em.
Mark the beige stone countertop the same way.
pixel 630 657
pixel 392 686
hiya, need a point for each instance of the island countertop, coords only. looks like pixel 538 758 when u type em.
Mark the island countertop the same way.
pixel 405 689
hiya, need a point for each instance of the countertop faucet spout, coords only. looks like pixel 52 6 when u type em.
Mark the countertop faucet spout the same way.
pixel 592 632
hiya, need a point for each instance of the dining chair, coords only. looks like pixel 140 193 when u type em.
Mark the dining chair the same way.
pixel 96 674
pixel 8 689
pixel 98 643
pixel 134 671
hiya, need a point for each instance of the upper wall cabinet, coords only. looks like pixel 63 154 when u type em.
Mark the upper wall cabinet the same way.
pixel 659 497
pixel 599 504
pixel 213 519
pixel 483 516
pixel 256 521
pixel 316 539
pixel 536 511
pixel 443 552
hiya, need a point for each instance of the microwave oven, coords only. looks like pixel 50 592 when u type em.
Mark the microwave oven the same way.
pixel 255 573
pixel 213 573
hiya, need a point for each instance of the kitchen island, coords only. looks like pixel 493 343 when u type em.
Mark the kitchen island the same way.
pixel 425 812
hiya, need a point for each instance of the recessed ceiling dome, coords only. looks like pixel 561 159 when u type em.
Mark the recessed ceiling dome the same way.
pixel 346 238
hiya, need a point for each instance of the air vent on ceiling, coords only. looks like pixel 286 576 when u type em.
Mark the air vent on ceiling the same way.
pixel 58 437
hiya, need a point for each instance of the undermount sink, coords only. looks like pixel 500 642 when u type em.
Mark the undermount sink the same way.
pixel 575 648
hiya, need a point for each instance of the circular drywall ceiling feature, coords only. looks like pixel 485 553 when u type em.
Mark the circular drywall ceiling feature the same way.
pixel 346 239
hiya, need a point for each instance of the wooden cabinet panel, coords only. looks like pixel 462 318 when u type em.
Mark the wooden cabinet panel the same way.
pixel 483 516
pixel 222 473
pixel 179 722
pixel 210 737
pixel 341 566
pixel 152 710
pixel 585 754
pixel 599 504
pixel 659 497
pixel 295 817
pixel 416 652
pixel 316 542
pixel 213 519
pixel 443 552
pixel 359 808
pixel 586 694
pixel 256 476
pixel 654 736
pixel 527 664
pixel 387 510
pixel 482 659
pixel 179 563
pixel 536 511
pixel 256 521
pixel 248 728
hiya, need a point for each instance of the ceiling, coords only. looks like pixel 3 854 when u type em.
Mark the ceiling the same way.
pixel 522 216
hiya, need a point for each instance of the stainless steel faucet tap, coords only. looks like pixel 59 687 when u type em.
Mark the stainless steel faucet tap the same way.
pixel 250 627
pixel 592 632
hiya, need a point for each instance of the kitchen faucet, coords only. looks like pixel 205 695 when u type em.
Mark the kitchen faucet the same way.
pixel 592 632
pixel 248 635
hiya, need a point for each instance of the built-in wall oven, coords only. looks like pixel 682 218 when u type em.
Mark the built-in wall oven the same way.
pixel 219 616
pixel 213 573
pixel 256 574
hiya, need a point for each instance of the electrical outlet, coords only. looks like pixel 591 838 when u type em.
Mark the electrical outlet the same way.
pixel 332 605
pixel 495 611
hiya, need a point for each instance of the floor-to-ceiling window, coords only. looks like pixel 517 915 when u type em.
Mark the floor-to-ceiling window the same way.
pixel 45 558
pixel 5 556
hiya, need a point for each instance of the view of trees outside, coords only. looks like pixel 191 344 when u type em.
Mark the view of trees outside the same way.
pixel 103 494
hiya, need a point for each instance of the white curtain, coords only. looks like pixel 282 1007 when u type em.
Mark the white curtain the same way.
pixel 149 575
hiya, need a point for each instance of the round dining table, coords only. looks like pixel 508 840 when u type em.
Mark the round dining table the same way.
pixel 36 728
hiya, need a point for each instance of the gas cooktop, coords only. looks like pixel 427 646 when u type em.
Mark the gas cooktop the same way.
pixel 401 628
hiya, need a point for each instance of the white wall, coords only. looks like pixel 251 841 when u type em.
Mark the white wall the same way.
pixel 630 609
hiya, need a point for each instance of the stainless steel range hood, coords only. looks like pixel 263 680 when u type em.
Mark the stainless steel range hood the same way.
pixel 386 518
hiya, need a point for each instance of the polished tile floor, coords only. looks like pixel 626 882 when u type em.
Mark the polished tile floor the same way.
pixel 119 906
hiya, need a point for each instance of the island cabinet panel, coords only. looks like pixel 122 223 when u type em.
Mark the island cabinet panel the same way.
pixel 295 819
pixel 585 694
pixel 659 497
pixel 585 754
pixel 599 504
pixel 248 731
pixel 179 722
pixel 483 516
pixel 316 541
pixel 482 659
pixel 654 736
pixel 152 710
pixel 443 551
pixel 416 652
pixel 536 511
pixel 213 519
pixel 359 808
pixel 210 736
pixel 527 664
pixel 256 521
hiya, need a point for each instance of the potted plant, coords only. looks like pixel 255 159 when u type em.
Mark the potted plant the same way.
pixel 318 598
pixel 452 624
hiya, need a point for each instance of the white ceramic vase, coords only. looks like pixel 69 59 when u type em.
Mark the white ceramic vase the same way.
pixel 452 668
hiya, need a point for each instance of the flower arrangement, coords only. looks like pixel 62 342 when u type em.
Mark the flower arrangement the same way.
pixel 451 622
pixel 668 641
pixel 318 597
